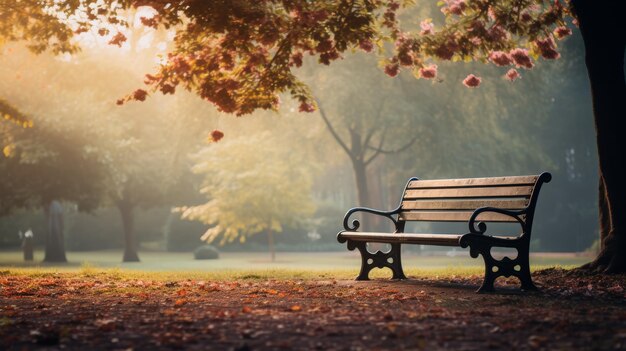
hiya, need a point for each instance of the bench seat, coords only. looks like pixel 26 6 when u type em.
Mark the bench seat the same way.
pixel 405 238
pixel 410 238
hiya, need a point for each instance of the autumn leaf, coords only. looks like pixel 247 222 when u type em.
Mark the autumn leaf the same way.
pixel 215 136
pixel 295 308
pixel 140 95
pixel 118 39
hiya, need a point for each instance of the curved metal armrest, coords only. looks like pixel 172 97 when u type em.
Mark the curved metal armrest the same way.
pixel 356 224
pixel 481 227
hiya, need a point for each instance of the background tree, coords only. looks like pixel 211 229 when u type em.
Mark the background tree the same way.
pixel 253 185
pixel 375 122
pixel 43 165
pixel 124 144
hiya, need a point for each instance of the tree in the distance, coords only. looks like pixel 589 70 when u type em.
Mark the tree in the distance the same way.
pixel 253 185
pixel 373 124
pixel 43 165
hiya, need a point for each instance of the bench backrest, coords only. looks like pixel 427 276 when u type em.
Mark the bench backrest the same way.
pixel 454 200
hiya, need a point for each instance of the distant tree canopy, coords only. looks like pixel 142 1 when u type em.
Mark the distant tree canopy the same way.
pixel 76 145
pixel 41 165
pixel 253 185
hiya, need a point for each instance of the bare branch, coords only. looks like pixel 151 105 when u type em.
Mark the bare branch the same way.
pixel 377 150
pixel 331 129
pixel 380 150
pixel 373 131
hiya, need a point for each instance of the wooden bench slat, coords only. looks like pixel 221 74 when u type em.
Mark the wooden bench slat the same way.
pixel 453 216
pixel 472 182
pixel 463 204
pixel 407 238
pixel 445 193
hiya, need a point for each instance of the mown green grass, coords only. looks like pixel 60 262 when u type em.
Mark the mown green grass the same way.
pixel 256 266
pixel 243 274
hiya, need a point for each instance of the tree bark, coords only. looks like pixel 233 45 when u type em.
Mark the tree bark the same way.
pixel 55 243
pixel 604 36
pixel 362 189
pixel 128 223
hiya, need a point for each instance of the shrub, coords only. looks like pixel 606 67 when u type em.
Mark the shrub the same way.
pixel 206 252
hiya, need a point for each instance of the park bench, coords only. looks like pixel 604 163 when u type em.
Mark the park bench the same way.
pixel 472 200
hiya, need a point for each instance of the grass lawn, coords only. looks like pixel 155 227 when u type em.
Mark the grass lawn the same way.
pixel 338 262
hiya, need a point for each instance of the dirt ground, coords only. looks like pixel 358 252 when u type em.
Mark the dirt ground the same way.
pixel 71 311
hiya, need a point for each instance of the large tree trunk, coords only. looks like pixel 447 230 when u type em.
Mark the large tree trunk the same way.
pixel 604 35
pixel 128 222
pixel 55 243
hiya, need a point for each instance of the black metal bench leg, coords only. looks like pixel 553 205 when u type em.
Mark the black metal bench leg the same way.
pixel 365 266
pixel 490 275
pixel 369 261
pixel 524 273
pixel 396 265
pixel 506 267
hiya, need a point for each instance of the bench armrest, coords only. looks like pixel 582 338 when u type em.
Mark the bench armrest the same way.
pixel 388 214
pixel 481 227
pixel 355 222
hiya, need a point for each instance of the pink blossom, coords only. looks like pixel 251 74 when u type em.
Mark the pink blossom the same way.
pixel 427 27
pixel 547 48
pixel 366 45
pixel 392 69
pixel 562 32
pixel 512 75
pixel 447 50
pixel 521 58
pixel 497 33
pixel 476 41
pixel 429 72
pixel 455 7
pixel 477 27
pixel 296 59
pixel 306 107
pixel 500 58
pixel 472 81
pixel 405 58
pixel 324 45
